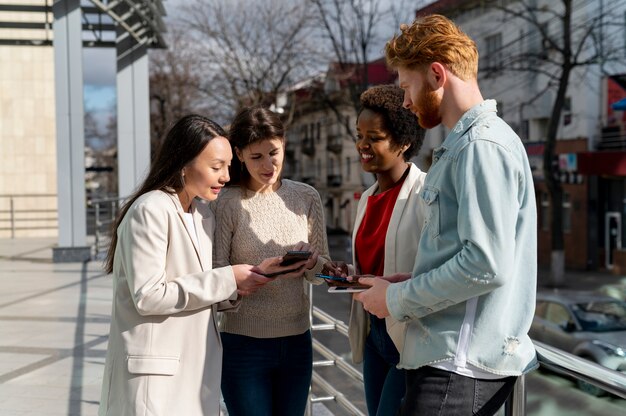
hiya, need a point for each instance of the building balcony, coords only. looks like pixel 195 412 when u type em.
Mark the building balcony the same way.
pixel 333 181
pixel 334 143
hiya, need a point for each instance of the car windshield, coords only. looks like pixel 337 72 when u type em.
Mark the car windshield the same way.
pixel 601 316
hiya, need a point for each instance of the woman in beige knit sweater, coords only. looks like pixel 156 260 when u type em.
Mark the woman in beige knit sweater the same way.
pixel 267 361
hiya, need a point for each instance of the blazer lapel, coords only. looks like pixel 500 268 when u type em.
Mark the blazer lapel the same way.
pixel 181 215
pixel 396 215
pixel 205 227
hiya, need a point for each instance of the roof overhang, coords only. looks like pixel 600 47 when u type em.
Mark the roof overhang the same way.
pixel 140 19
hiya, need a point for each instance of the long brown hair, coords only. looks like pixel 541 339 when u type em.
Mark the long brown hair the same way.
pixel 185 140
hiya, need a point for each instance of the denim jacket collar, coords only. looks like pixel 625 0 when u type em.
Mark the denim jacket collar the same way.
pixel 461 127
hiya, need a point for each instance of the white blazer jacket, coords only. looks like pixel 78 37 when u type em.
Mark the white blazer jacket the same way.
pixel 164 354
pixel 402 238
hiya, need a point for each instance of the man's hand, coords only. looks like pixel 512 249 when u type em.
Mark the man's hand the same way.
pixel 374 299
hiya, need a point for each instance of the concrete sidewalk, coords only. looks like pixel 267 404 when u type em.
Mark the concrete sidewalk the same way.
pixel 54 325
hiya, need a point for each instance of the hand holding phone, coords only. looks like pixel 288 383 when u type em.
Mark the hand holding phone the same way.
pixel 339 281
pixel 295 256
pixel 274 266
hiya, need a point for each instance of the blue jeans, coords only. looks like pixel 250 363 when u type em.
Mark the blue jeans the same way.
pixel 384 383
pixel 435 392
pixel 266 376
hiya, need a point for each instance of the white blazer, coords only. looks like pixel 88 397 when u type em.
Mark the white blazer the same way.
pixel 164 354
pixel 401 240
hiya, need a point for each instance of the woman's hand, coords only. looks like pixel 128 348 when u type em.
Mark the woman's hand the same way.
pixel 302 246
pixel 271 267
pixel 248 279
pixel 335 268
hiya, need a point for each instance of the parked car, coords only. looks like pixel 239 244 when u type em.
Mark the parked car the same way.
pixel 588 325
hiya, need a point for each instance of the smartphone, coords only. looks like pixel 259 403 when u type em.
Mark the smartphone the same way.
pixel 346 289
pixel 277 273
pixel 335 278
pixel 294 256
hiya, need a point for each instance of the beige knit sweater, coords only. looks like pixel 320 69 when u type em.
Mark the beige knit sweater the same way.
pixel 251 227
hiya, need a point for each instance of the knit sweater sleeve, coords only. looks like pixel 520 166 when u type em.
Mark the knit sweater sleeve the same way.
pixel 224 226
pixel 317 235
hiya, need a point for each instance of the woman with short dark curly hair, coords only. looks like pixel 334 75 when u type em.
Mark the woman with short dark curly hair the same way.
pixel 386 233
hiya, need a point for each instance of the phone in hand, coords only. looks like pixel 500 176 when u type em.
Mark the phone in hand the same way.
pixel 295 256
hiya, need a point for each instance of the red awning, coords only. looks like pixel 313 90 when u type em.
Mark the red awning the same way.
pixel 602 163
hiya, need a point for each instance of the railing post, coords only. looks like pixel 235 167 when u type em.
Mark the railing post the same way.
pixel 309 404
pixel 516 403
pixel 12 216
pixel 96 232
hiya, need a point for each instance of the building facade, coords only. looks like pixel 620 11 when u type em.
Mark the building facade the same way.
pixel 28 153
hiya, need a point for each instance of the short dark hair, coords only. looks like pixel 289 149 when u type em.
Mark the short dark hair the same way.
pixel 184 141
pixel 386 100
pixel 251 125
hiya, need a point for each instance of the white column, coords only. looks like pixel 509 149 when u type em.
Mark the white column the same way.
pixel 70 137
pixel 133 114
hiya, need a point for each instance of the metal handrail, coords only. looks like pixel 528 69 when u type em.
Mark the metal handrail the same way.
pixel 549 357
pixel 560 361
pixel 331 358
pixel 105 212
pixel 15 215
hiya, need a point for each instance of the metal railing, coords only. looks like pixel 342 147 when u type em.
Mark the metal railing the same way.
pixel 331 359
pixel 104 213
pixel 16 217
pixel 549 357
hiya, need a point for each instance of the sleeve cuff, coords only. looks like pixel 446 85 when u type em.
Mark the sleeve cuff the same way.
pixel 394 302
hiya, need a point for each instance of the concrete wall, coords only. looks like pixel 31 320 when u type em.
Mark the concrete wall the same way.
pixel 27 136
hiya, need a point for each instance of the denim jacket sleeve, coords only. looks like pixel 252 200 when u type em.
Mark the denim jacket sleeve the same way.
pixel 479 236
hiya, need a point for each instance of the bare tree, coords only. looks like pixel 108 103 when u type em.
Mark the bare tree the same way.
pixel 174 84
pixel 250 51
pixel 350 28
pixel 575 43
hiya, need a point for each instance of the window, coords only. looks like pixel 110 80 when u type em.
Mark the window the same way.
pixel 348 169
pixel 494 52
pixel 545 211
pixel 558 314
pixel 567 212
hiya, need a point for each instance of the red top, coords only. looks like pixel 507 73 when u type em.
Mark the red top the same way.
pixel 370 238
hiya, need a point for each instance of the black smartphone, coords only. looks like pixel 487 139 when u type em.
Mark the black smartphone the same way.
pixel 295 256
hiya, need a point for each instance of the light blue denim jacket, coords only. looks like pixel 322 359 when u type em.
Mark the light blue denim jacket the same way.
pixel 472 296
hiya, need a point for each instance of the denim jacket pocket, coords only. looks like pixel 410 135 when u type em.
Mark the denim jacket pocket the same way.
pixel 430 195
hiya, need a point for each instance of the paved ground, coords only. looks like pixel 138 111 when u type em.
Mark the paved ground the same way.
pixel 54 321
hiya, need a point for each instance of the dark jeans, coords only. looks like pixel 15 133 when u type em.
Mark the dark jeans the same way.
pixel 266 376
pixel 435 392
pixel 384 383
